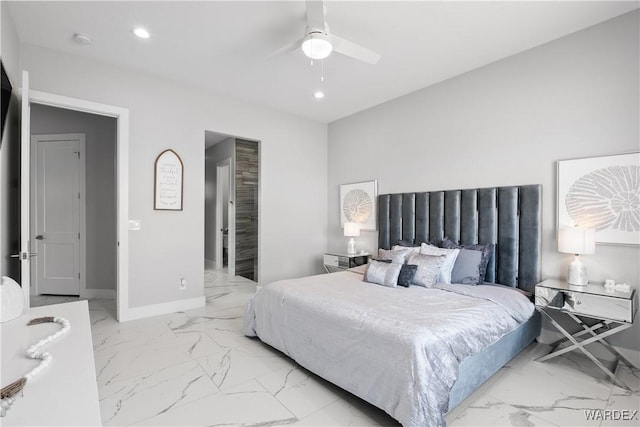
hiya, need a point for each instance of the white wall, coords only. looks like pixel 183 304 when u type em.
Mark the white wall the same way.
pixel 9 149
pixel 505 124
pixel 164 114
pixel 100 137
pixel 222 150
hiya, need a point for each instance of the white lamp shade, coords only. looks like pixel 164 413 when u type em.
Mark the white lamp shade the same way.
pixel 316 46
pixel 351 229
pixel 575 240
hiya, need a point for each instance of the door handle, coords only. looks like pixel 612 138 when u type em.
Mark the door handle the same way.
pixel 23 255
pixel 39 237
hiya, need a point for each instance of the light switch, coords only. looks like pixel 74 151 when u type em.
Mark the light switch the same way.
pixel 134 224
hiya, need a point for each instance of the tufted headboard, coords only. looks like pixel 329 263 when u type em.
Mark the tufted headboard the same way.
pixel 509 217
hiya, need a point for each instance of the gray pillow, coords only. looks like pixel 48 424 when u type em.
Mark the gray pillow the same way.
pixel 382 273
pixel 466 270
pixel 486 249
pixel 428 268
pixel 396 256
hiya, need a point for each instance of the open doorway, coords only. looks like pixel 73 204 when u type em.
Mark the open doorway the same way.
pixel 73 205
pixel 232 182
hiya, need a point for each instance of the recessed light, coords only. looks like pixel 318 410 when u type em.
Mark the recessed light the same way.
pixel 318 94
pixel 82 39
pixel 141 32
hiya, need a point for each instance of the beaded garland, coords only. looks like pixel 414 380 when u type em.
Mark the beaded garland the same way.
pixel 9 392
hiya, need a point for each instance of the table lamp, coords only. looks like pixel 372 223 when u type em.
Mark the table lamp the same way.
pixel 577 241
pixel 351 230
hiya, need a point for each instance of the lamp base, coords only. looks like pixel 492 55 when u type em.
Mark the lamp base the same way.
pixel 577 273
pixel 351 246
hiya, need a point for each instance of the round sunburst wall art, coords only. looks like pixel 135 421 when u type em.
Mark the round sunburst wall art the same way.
pixel 602 193
pixel 357 206
pixel 607 198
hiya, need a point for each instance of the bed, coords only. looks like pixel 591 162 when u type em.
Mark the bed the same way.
pixel 416 352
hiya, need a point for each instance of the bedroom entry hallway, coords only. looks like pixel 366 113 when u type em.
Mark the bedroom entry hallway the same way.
pixel 232 185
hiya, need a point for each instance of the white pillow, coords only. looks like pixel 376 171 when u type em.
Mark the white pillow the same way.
pixel 447 266
pixel 428 268
pixel 410 249
pixel 382 273
pixel 396 256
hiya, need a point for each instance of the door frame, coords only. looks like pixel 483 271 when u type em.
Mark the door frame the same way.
pixel 82 212
pixel 122 183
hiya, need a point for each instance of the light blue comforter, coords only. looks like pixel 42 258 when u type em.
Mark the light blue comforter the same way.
pixel 397 348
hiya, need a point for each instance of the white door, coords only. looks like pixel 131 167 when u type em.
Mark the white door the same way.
pixel 25 142
pixel 58 208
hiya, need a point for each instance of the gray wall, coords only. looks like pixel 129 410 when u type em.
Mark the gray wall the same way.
pixel 10 152
pixel 222 150
pixel 505 124
pixel 100 133
pixel 166 114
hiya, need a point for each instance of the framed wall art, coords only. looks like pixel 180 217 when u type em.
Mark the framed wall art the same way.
pixel 168 181
pixel 358 203
pixel 601 193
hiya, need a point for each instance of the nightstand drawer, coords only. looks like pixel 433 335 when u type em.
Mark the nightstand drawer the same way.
pixel 332 260
pixel 581 303
pixel 337 262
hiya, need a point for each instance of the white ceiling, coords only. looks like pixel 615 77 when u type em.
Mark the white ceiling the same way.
pixel 223 46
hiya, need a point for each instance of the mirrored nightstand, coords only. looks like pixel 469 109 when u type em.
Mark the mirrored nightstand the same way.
pixel 336 261
pixel 613 311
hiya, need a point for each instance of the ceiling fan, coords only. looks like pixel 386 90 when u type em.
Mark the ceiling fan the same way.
pixel 318 42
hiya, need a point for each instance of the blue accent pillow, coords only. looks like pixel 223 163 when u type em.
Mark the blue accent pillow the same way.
pixel 408 244
pixel 486 251
pixel 407 273
pixel 466 270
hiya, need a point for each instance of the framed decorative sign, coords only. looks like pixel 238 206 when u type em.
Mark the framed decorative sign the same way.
pixel 358 203
pixel 168 181
pixel 602 193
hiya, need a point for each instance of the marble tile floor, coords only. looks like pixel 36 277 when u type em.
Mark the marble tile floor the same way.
pixel 196 368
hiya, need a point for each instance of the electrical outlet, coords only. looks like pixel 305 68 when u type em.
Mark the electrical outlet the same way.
pixel 183 284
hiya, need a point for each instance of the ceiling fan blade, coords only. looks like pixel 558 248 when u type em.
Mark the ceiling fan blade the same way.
pixel 285 49
pixel 354 50
pixel 315 15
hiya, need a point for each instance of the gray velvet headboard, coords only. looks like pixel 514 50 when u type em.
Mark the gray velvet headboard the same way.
pixel 509 217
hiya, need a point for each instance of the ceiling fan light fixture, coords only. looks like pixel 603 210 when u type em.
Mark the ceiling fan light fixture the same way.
pixel 318 94
pixel 316 45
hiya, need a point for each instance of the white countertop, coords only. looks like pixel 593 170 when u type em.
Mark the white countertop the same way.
pixel 63 394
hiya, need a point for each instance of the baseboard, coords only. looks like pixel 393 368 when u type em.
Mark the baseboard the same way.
pixel 631 354
pixel 99 293
pixel 157 309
